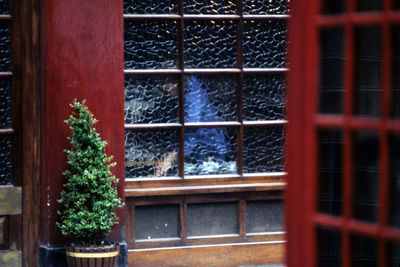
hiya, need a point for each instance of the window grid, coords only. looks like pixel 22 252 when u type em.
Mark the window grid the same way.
pixel 240 70
pixel 349 122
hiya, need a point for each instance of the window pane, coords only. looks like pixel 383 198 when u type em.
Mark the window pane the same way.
pixel 329 248
pixel 330 171
pixel 210 151
pixel 393 255
pixel 395 98
pixel 212 219
pixel 151 44
pixel 210 98
pixel 210 44
pixel 331 70
pixel 264 44
pixel 4 7
pixel 369 5
pixel 150 7
pixel 264 216
pixel 151 99
pixel 263 149
pixel 209 7
pixel 5 51
pixel 394 185
pixel 149 153
pixel 368 71
pixel 264 97
pixel 5 103
pixel 366 168
pixel 333 6
pixel 364 251
pixel 5 160
pixel 265 7
pixel 156 221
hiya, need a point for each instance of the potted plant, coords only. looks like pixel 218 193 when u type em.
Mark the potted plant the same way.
pixel 89 195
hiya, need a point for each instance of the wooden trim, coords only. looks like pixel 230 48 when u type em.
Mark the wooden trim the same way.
pixel 236 254
pixel 10 200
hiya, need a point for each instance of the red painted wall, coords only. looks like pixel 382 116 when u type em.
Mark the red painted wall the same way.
pixel 82 57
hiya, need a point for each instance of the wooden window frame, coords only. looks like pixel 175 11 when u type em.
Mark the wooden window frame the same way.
pixel 303 217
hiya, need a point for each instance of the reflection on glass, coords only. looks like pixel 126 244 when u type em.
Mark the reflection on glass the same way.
pixel 264 216
pixel 150 7
pixel 263 149
pixel 151 99
pixel 210 98
pixel 394 185
pixel 5 103
pixel 368 71
pixel 209 7
pixel 364 251
pixel 151 153
pixel 159 221
pixel 331 70
pixel 333 6
pixel 395 97
pixel 151 44
pixel 210 151
pixel 365 174
pixel 264 97
pixel 4 7
pixel 5 46
pixel 212 219
pixel 369 5
pixel 6 174
pixel 258 7
pixel 393 259
pixel 329 248
pixel 330 172
pixel 210 44
pixel 264 44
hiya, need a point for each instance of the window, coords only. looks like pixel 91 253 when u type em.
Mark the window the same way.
pixel 204 123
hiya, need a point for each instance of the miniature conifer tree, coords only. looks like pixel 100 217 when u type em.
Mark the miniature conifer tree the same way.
pixel 90 193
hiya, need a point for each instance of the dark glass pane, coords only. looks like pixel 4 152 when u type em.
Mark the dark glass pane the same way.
pixel 395 98
pixel 212 219
pixel 210 151
pixel 273 7
pixel 151 44
pixel 331 70
pixel 333 6
pixel 364 251
pixel 329 248
pixel 393 255
pixel 5 47
pixel 210 44
pixel 264 44
pixel 264 97
pixel 151 99
pixel 263 149
pixel 369 5
pixel 156 221
pixel 368 71
pixel 394 185
pixel 366 168
pixel 4 7
pixel 209 6
pixel 5 160
pixel 150 7
pixel 149 153
pixel 5 103
pixel 210 98
pixel 264 216
pixel 330 172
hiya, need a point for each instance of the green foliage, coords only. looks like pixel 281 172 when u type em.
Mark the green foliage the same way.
pixel 90 193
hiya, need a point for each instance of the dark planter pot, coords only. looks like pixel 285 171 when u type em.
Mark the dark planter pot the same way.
pixel 92 256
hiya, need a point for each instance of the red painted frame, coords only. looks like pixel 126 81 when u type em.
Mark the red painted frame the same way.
pixel 302 217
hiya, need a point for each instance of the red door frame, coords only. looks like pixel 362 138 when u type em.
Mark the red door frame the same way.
pixel 301 196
